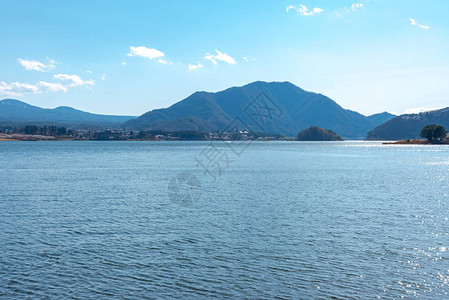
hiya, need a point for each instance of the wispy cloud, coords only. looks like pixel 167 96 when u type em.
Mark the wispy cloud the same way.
pixel 15 89
pixel 356 6
pixel 302 10
pixel 220 56
pixel 52 87
pixel 74 80
pixel 34 65
pixel 194 67
pixel 347 10
pixel 103 77
pixel 248 59
pixel 414 23
pixel 124 63
pixel 18 89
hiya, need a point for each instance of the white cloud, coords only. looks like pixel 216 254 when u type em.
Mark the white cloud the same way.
pixel 74 80
pixel 211 58
pixel 103 77
pixel 17 89
pixel 414 23
pixel 193 67
pixel 302 10
pixel 33 65
pixel 220 56
pixel 245 58
pixel 53 87
pixel 145 52
pixel 90 72
pixel 356 6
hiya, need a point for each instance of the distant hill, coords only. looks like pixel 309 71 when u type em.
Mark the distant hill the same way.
pixel 409 126
pixel 17 113
pixel 300 109
pixel 381 118
pixel 318 134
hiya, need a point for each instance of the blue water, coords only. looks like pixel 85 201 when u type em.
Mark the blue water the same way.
pixel 283 220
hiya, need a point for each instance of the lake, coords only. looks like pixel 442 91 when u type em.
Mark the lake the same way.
pixel 199 220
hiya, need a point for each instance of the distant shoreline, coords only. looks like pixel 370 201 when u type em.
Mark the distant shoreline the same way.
pixel 31 138
pixel 414 142
pixel 2 140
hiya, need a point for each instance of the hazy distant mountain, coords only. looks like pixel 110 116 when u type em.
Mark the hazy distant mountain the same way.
pixel 299 110
pixel 409 126
pixel 381 118
pixel 18 112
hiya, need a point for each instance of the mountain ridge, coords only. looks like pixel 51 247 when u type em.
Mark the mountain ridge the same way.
pixel 409 126
pixel 18 112
pixel 300 110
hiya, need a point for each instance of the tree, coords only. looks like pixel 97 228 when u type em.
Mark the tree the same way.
pixel 61 131
pixel 71 132
pixel 433 133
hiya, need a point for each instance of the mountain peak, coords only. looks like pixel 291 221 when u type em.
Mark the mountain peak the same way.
pixel 65 108
pixel 14 102
pixel 260 83
pixel 300 109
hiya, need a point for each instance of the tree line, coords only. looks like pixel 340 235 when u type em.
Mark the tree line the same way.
pixel 119 134
pixel 49 130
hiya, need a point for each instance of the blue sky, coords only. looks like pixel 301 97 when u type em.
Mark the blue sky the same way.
pixel 128 57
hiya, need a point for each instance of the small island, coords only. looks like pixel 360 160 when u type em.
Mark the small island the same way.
pixel 434 134
pixel 315 133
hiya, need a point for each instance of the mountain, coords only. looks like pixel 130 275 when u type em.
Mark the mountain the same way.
pixel 409 126
pixel 318 134
pixel 17 112
pixel 381 118
pixel 298 109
